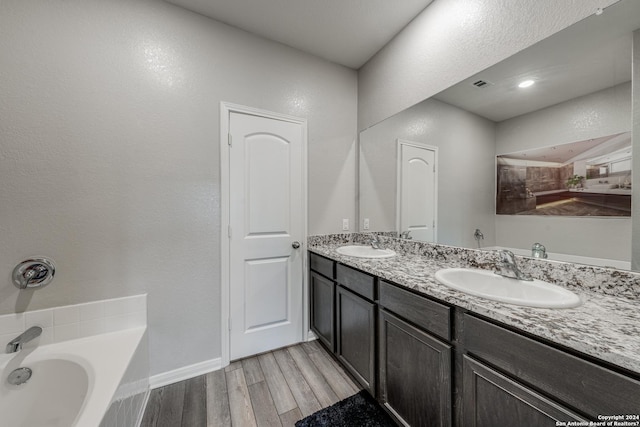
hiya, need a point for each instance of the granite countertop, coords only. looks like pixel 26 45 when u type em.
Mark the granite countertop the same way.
pixel 605 326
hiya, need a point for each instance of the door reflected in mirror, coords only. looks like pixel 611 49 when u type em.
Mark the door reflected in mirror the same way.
pixel 417 204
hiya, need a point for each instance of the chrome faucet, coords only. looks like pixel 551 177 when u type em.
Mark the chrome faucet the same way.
pixel 538 251
pixel 507 266
pixel 478 236
pixel 375 242
pixel 405 235
pixel 16 344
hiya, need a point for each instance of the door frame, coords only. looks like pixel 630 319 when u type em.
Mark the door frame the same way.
pixel 226 108
pixel 399 144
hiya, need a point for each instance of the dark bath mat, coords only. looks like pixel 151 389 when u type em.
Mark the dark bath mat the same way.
pixel 359 410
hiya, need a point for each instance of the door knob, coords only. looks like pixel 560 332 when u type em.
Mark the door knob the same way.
pixel 295 245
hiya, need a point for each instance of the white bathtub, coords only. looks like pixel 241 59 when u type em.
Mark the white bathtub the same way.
pixel 74 383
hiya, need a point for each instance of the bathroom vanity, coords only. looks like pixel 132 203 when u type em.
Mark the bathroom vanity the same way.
pixel 434 356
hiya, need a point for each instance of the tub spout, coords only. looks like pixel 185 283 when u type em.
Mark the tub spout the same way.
pixel 16 344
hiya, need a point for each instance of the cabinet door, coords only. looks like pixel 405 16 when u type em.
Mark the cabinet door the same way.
pixel 491 399
pixel 322 296
pixel 415 374
pixel 356 336
pixel 577 383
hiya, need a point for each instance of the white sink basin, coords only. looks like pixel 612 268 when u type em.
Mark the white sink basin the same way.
pixel 486 284
pixel 360 251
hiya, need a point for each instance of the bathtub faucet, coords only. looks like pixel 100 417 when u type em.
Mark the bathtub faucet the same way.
pixel 16 344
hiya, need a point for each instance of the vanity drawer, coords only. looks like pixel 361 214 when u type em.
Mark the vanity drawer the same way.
pixel 322 265
pixel 423 312
pixel 357 281
pixel 584 385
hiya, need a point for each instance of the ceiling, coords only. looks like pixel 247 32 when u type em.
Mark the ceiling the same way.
pixel 592 55
pixel 347 32
pixel 581 150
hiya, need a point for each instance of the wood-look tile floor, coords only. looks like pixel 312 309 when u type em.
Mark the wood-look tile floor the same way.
pixel 276 388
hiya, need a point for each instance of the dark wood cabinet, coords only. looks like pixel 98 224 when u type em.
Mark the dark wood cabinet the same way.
pixel 493 399
pixel 430 363
pixel 361 283
pixel 427 314
pixel 415 373
pixel 356 336
pixel 322 265
pixel 581 384
pixel 322 316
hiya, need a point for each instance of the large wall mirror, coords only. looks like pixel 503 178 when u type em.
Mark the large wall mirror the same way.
pixel 430 171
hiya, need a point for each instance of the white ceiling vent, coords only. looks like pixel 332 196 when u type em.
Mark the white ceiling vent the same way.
pixel 482 83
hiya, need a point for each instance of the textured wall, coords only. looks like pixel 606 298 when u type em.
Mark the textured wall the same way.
pixel 109 155
pixel 599 114
pixel 452 40
pixel 602 113
pixel 466 171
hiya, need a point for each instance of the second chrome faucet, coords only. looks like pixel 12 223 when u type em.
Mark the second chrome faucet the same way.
pixel 507 266
pixel 375 242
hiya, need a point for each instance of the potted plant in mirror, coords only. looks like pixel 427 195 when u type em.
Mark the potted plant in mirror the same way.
pixel 575 181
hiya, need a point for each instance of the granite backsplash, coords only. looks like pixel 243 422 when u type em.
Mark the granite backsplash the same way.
pixel 607 281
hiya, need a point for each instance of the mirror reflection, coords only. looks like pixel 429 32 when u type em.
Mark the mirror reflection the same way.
pixel 551 180
pixel 572 88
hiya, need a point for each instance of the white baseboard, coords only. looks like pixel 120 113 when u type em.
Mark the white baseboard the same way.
pixel 184 373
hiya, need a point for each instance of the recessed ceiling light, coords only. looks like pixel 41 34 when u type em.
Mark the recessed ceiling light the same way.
pixel 526 83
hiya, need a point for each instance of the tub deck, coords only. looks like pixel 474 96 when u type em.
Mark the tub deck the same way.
pixel 104 357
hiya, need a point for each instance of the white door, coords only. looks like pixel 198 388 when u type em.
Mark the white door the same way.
pixel 417 191
pixel 266 223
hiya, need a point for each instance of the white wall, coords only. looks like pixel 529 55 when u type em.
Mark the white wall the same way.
pixel 466 170
pixel 109 154
pixel 602 113
pixel 452 40
pixel 599 114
